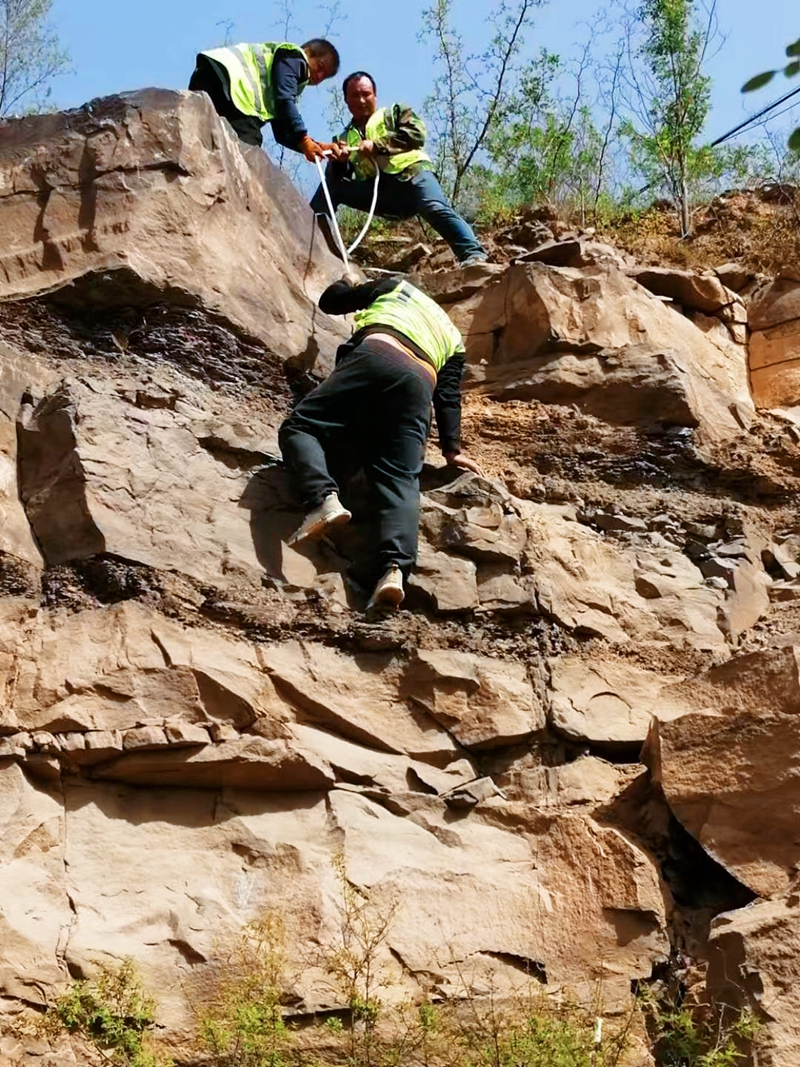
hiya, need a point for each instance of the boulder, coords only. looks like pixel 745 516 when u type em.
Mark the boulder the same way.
pixel 36 908
pixel 448 582
pixel 697 292
pixel 356 697
pixel 102 471
pixel 125 666
pixel 18 373
pixel 482 702
pixel 754 963
pixel 724 750
pixel 637 384
pixel 578 252
pixel 605 701
pixel 734 276
pixel 270 766
pixel 592 336
pixel 594 587
pixel 149 195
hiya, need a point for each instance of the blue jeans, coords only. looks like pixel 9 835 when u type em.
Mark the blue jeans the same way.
pixel 402 199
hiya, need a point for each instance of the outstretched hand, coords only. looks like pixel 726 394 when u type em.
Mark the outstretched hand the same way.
pixel 459 459
pixel 312 149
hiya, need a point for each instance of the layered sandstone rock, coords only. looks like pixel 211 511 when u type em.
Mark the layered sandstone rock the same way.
pixel 199 725
pixel 698 292
pixel 303 752
pixel 727 758
pixel 774 318
pixel 127 199
pixel 754 956
pixel 594 337
pixel 604 700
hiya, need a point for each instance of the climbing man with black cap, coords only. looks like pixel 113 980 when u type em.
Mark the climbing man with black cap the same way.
pixel 252 84
pixel 405 354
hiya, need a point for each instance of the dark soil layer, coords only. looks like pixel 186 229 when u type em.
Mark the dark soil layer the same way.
pixel 195 341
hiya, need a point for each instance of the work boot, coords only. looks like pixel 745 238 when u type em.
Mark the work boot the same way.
pixel 316 524
pixel 474 260
pixel 389 590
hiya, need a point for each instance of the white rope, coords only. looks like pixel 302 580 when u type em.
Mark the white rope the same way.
pixel 337 233
pixel 371 215
pixel 332 212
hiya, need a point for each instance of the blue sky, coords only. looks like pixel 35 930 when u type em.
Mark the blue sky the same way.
pixel 117 46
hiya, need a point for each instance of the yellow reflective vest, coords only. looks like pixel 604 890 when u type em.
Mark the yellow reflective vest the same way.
pixel 377 129
pixel 249 68
pixel 419 318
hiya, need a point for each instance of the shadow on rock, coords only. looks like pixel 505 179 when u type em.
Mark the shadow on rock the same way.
pixel 274 517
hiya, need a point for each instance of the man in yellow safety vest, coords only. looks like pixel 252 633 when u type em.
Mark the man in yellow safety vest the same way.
pixel 391 139
pixel 404 354
pixel 251 84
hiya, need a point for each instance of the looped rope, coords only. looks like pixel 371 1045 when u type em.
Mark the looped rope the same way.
pixel 336 231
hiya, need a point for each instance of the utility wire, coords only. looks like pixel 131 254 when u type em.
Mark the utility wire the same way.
pixel 754 118
pixel 743 126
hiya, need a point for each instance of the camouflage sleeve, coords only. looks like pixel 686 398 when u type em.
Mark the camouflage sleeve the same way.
pixel 405 131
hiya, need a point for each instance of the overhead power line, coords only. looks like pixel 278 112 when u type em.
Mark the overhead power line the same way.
pixel 754 118
pixel 743 126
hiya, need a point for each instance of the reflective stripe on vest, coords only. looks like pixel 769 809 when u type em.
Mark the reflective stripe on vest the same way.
pixel 419 318
pixel 249 68
pixel 376 130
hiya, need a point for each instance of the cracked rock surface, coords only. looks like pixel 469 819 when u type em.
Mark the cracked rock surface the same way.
pixel 199 723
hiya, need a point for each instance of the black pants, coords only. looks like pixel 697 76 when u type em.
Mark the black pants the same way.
pixel 377 402
pixel 210 78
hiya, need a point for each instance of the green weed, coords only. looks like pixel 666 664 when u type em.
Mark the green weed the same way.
pixel 243 1025
pixel 113 1013
pixel 698 1035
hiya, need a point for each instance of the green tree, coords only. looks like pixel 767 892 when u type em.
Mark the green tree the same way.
pixel 791 70
pixel 545 149
pixel 470 91
pixel 30 56
pixel 669 97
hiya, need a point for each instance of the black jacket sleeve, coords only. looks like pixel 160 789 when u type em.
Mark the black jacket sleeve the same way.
pixel 342 298
pixel 447 403
pixel 288 73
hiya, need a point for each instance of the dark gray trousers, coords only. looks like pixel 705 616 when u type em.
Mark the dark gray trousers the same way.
pixel 377 405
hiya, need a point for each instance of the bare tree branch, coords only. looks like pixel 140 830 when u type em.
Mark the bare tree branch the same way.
pixel 30 56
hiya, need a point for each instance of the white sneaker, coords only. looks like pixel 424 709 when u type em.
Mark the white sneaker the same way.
pixel 474 260
pixel 316 524
pixel 389 590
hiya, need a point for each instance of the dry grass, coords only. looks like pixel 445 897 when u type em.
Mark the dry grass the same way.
pixel 761 230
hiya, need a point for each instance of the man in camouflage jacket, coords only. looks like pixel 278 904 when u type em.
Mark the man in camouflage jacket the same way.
pixel 391 139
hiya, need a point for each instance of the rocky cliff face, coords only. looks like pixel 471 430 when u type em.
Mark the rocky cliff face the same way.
pixel 198 725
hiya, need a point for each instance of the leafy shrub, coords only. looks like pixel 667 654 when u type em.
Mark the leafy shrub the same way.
pixel 697 1035
pixel 243 1025
pixel 111 1012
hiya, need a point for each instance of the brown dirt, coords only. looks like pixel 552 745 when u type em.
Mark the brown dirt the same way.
pixel 545 451
pixel 759 229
